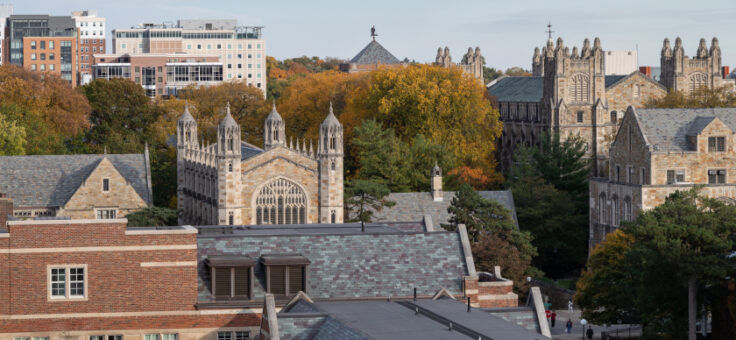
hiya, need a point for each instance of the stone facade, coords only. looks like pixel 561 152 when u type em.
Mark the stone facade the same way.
pixel 232 182
pixel 472 63
pixel 657 152
pixel 682 73
pixel 568 93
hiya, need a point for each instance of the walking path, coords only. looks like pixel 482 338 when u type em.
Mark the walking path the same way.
pixel 558 331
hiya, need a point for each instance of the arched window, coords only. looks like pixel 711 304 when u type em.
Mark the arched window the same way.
pixel 230 143
pixel 615 213
pixel 627 209
pixel 281 202
pixel 332 165
pixel 333 217
pixel 276 135
pixel 579 88
pixel 602 208
pixel 697 80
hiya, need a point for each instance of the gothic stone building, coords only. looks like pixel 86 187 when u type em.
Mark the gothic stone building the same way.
pixel 74 186
pixel 471 64
pixel 681 73
pixel 568 93
pixel 232 182
pixel 657 152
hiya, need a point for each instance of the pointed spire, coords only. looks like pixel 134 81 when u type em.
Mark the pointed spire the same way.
pixel 585 52
pixel 311 149
pixel 291 143
pixel 597 44
pixel 228 121
pixel 702 49
pixel 666 48
pixel 575 52
pixel 105 150
pixel 330 119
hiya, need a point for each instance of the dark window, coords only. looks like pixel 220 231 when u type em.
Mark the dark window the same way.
pixel 296 279
pixel 716 176
pixel 230 167
pixel 241 278
pixel 675 176
pixel 614 117
pixel 277 280
pixel 223 282
pixel 618 173
pixel 230 219
pixel 580 116
pixel 716 144
pixel 106 184
pixel 333 217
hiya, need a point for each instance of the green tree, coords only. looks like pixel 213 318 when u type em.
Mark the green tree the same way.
pixel 364 197
pixel 122 116
pixel 12 138
pixel 490 73
pixel 561 163
pixel 153 217
pixel 701 97
pixel 487 218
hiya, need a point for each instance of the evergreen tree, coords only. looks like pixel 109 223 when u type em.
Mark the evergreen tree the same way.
pixel 364 197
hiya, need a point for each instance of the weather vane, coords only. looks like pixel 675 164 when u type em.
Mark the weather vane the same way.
pixel 549 29
pixel 373 32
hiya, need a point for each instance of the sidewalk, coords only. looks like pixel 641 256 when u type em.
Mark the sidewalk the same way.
pixel 558 332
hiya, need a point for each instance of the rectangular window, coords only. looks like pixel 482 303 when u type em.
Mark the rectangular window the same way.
pixel 675 176
pixel 716 144
pixel 169 336
pixel 33 56
pixel 43 56
pixel 716 176
pixel 630 179
pixel 242 335
pixel 580 116
pixel 67 282
pixel 42 44
pixel 51 44
pixel 224 336
pixel 151 337
pixel 33 44
pixel 618 173
pixel 105 184
pixel 642 176
pixel 51 56
pixel 106 214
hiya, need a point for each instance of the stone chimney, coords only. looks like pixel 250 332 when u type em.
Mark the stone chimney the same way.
pixel 437 183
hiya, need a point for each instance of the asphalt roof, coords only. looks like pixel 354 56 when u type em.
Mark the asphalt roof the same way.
pixel 51 180
pixel 667 129
pixel 374 53
pixel 350 265
pixel 413 206
pixel 529 89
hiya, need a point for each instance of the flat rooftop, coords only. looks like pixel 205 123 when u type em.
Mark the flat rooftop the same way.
pixel 297 229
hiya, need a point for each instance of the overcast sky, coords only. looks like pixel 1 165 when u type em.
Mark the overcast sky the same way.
pixel 506 31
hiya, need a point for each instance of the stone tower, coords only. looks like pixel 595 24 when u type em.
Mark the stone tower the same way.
pixel 537 63
pixel 473 63
pixel 443 57
pixel 330 158
pixel 229 182
pixel 436 176
pixel 186 139
pixel 273 130
pixel 681 73
pixel 575 95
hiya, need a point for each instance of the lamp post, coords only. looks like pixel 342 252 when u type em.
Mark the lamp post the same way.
pixel 583 322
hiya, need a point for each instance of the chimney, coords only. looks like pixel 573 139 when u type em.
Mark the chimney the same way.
pixel 6 209
pixel 437 183
pixel 725 72
pixel 647 70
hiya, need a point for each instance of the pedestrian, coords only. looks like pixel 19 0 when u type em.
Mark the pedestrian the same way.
pixel 553 318
pixel 569 305
pixel 568 326
pixel 589 333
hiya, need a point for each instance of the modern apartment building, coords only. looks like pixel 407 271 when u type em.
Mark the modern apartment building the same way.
pixel 241 49
pixel 43 43
pixel 5 11
pixel 160 73
pixel 91 40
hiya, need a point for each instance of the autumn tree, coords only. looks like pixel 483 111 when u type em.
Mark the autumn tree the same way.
pixel 12 138
pixel 699 98
pixel 282 73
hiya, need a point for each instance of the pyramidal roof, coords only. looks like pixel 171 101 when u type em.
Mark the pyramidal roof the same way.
pixel 374 53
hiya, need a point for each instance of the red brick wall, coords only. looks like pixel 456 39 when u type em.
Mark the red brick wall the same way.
pixel 472 284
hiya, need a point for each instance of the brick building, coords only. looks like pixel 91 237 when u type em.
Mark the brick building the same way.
pixel 43 43
pixel 657 152
pixel 233 182
pixel 87 279
pixel 568 93
pixel 76 186
pixel 91 41
pixel 160 74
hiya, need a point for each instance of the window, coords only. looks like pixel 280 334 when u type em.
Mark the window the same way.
pixel 51 67
pixel 33 44
pixel 230 218
pixel 219 46
pixel 33 67
pixel 224 336
pixel 614 211
pixel 43 56
pixel 285 280
pixel 106 214
pixel 602 208
pixel 675 176
pixel 123 46
pixel 240 65
pixel 630 177
pixel 42 44
pixel 643 176
pixel 67 282
pixel 332 166
pixel 105 184
pixel 333 217
pixel 230 167
pixel 716 144
pixel 229 65
pixel 717 176
pixel 618 173
pixel 33 56
pixel 199 46
pixel 579 89
pixel 51 44
pixel 580 116
pixel 151 337
pixel 103 337
pixel 614 118
pixel 627 209
pixel 281 202
pixel 51 56
pixel 43 67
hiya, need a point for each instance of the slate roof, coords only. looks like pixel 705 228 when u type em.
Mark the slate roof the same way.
pixel 529 89
pixel 412 206
pixel 374 53
pixel 394 320
pixel 518 89
pixel 667 129
pixel 349 265
pixel 51 180
pixel 248 150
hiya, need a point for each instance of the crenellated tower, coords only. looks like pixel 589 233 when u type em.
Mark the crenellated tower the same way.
pixel 229 181
pixel 330 158
pixel 186 139
pixel 681 73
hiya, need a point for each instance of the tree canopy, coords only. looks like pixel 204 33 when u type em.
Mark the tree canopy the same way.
pixel 364 197
pixel 701 97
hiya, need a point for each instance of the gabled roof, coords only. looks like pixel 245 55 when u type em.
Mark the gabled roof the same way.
pixel 346 265
pixel 248 150
pixel 612 81
pixel 374 53
pixel 51 180
pixel 413 206
pixel 518 89
pixel 667 129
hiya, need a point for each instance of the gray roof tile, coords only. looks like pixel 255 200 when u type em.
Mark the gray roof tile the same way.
pixel 51 180
pixel 667 129
pixel 374 53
